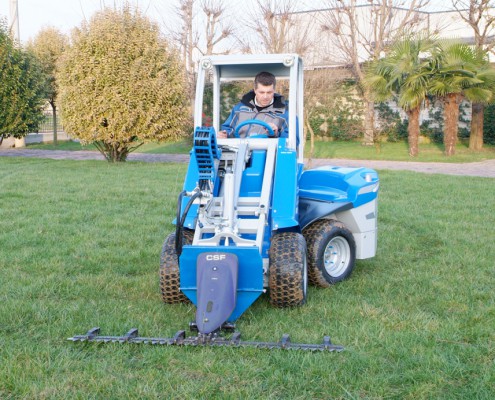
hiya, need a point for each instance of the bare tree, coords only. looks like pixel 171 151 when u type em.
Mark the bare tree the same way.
pixel 216 28
pixel 275 25
pixel 203 27
pixel 187 39
pixel 480 15
pixel 320 88
pixel 362 32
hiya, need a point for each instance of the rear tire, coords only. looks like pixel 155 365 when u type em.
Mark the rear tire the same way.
pixel 331 252
pixel 169 270
pixel 288 274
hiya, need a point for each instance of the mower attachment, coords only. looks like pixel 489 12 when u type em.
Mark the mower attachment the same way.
pixel 217 287
pixel 214 340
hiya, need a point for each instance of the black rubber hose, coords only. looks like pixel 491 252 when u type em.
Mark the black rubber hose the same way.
pixel 180 225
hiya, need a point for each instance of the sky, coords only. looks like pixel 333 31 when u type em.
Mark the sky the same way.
pixel 67 14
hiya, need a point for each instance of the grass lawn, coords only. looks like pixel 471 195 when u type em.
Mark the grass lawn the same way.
pixel 350 150
pixel 428 152
pixel 80 244
pixel 182 147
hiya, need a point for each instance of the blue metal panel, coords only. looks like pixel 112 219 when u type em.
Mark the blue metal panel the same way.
pixel 285 193
pixel 252 177
pixel 192 175
pixel 250 278
pixel 310 209
pixel 338 184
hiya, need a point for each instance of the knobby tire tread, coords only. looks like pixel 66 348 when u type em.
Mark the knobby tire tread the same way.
pixel 286 280
pixel 169 270
pixel 316 234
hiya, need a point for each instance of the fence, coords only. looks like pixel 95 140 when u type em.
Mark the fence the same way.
pixel 47 125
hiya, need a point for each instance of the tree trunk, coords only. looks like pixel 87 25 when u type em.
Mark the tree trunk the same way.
pixel 451 119
pixel 369 120
pixel 54 111
pixel 476 136
pixel 413 131
pixel 312 140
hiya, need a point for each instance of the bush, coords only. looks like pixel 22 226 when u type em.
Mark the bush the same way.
pixel 333 108
pixel 391 124
pixel 21 88
pixel 121 84
pixel 489 124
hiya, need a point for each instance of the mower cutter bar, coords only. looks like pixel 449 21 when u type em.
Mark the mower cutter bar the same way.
pixel 180 339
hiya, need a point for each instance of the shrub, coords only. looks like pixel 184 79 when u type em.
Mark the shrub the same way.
pixel 121 84
pixel 21 88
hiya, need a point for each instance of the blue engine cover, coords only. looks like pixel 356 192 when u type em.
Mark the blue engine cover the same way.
pixel 328 189
pixel 339 184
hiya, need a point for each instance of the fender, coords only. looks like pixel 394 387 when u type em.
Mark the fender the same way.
pixel 311 210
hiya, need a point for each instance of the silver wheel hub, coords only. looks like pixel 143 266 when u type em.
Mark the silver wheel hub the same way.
pixel 337 256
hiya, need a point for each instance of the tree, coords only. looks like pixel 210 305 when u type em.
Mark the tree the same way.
pixel 276 28
pixel 461 71
pixel 317 93
pixel 216 29
pixel 21 89
pixel 121 84
pixel 212 15
pixel 480 17
pixel 405 73
pixel 360 32
pixel 48 46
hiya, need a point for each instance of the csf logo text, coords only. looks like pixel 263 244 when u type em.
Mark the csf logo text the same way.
pixel 215 257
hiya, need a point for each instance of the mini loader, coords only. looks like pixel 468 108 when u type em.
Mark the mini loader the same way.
pixel 250 218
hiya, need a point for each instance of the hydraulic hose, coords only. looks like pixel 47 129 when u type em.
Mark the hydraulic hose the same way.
pixel 180 221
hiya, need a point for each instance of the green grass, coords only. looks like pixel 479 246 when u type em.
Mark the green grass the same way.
pixel 350 150
pixel 80 243
pixel 429 152
pixel 182 147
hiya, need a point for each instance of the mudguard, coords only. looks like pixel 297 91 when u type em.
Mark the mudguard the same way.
pixel 216 281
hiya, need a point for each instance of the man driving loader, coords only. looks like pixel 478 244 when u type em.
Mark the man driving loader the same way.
pixel 261 103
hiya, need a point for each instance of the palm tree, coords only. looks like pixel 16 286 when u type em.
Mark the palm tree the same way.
pixel 404 74
pixel 486 73
pixel 461 71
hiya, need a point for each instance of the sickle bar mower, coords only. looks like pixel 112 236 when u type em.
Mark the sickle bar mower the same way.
pixel 214 340
pixel 251 220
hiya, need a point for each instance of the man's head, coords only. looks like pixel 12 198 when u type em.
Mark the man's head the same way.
pixel 264 88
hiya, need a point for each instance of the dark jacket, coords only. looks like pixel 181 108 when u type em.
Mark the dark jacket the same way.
pixel 276 113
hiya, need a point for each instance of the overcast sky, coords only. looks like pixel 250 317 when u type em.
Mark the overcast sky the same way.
pixel 67 14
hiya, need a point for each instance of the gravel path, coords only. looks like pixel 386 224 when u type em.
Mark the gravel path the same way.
pixel 483 168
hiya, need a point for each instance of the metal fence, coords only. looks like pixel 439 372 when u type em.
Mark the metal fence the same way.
pixel 47 125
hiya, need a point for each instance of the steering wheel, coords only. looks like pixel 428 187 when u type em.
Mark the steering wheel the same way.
pixel 271 133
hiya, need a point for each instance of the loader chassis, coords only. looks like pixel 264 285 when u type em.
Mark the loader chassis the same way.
pixel 251 219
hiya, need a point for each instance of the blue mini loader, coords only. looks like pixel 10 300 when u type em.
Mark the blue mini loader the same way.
pixel 250 218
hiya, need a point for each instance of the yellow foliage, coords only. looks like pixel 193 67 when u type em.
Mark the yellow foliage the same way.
pixel 120 82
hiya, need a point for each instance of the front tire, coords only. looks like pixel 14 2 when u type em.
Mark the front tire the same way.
pixel 288 273
pixel 169 270
pixel 331 252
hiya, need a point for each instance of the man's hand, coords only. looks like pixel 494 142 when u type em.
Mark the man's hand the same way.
pixel 222 135
pixel 274 127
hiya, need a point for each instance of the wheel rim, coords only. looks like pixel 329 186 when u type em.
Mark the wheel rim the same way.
pixel 337 256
